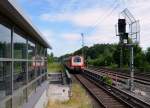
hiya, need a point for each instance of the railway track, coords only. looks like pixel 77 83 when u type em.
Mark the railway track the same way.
pixel 123 96
pixel 103 96
pixel 140 78
pixel 138 75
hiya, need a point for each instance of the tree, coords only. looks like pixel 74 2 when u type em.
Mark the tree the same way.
pixel 148 55
pixel 139 57
pixel 50 57
pixel 109 54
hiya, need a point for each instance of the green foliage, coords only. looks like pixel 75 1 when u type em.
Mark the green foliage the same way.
pixel 50 58
pixel 109 55
pixel 97 62
pixel 139 56
pixel 126 56
pixel 107 80
pixel 113 66
pixel 148 55
pixel 99 54
pixel 55 67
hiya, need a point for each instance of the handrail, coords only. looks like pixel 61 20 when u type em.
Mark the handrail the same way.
pixel 68 77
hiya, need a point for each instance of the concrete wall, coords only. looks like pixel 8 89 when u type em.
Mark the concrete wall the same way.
pixel 58 92
pixel 39 99
pixel 43 100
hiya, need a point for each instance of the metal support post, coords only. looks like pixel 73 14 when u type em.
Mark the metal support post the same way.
pixel 121 57
pixel 131 69
pixel 82 35
pixel 121 52
pixel 82 44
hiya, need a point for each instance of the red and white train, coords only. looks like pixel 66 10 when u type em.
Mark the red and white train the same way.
pixel 75 63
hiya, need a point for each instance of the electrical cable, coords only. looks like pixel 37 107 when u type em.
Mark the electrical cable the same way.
pixel 105 17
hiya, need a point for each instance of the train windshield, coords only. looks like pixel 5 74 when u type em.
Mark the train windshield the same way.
pixel 77 59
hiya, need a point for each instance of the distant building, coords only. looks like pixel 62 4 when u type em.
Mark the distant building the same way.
pixel 23 59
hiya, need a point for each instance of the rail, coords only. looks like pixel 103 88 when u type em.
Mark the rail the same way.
pixel 120 93
pixel 140 78
pixel 104 97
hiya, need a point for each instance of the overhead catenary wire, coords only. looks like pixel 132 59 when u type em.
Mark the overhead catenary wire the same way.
pixel 101 18
pixel 112 5
pixel 93 27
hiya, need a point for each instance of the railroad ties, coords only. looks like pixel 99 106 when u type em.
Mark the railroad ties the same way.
pixel 140 78
pixel 106 99
pixel 133 99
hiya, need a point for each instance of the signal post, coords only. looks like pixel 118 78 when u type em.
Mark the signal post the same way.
pixel 133 34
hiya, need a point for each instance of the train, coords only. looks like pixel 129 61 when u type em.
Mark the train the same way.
pixel 75 63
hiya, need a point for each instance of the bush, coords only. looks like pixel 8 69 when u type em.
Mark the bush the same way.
pixel 107 80
pixel 97 62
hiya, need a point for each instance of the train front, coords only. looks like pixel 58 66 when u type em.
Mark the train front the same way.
pixel 77 63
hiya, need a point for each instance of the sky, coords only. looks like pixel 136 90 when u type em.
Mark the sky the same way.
pixel 63 21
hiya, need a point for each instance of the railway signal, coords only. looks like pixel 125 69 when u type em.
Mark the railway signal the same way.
pixel 122 31
pixel 133 34
pixel 123 37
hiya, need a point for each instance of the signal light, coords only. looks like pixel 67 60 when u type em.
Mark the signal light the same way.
pixel 125 38
pixel 121 26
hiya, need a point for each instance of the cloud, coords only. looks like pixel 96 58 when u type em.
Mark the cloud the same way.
pixel 98 38
pixel 48 35
pixel 96 18
pixel 71 37
pixel 104 31
pixel 140 10
pixel 84 18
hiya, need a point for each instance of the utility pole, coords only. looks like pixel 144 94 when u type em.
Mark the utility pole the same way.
pixel 82 35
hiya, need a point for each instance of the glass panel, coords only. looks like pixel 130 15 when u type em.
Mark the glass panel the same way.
pixel 46 77
pixel 31 50
pixel 5 79
pixel 38 70
pixel 77 59
pixel 25 97
pixel 9 103
pixel 43 78
pixel 45 53
pixel 19 74
pixel 5 42
pixel 43 70
pixel 38 50
pixel 45 66
pixel 31 70
pixel 6 104
pixel 42 51
pixel 31 89
pixel 19 46
pixel 39 82
pixel 18 99
pixel 42 65
pixel 2 105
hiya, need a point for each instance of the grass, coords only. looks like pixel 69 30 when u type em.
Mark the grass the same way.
pixel 79 99
pixel 55 67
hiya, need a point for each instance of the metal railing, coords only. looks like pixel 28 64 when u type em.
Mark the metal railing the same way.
pixel 66 77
